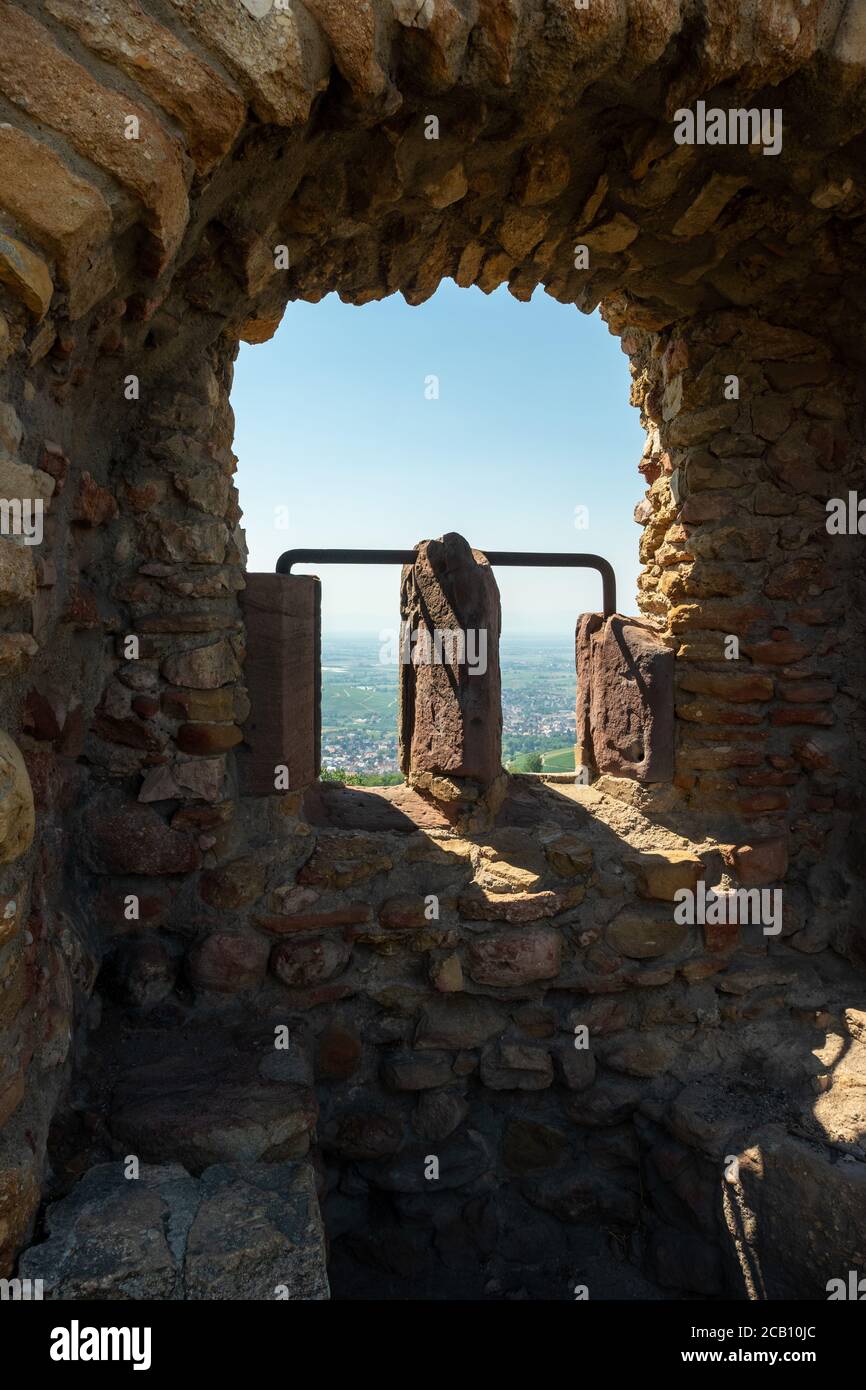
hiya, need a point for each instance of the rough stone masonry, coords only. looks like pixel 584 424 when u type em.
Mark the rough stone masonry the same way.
pixel 172 173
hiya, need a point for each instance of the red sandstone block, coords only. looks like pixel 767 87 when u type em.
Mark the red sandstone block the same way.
pixel 145 706
pixel 738 687
pixel 812 615
pixel 54 462
pixel 228 962
pixel 812 755
pixel 302 964
pixel 759 864
pixel 625 699
pixel 81 612
pixel 716 615
pixel 43 716
pixel 404 912
pixel 807 692
pixel 713 712
pixel 776 653
pixel 94 505
pixel 801 714
pixel 515 958
pixel 122 839
pixel 450 706
pixel 130 733
pixel 719 758
pixel 283 674
pixel 197 818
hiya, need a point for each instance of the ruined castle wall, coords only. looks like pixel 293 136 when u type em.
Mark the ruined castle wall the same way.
pixel 141 204
pixel 747 574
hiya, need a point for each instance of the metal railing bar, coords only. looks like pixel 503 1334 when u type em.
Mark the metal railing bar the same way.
pixel 532 559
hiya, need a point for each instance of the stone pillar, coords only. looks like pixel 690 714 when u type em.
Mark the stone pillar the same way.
pixel 625 699
pixel 284 682
pixel 450 692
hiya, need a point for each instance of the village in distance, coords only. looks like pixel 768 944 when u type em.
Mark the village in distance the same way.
pixel 360 700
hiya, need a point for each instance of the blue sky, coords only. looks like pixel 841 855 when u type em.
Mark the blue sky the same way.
pixel 339 446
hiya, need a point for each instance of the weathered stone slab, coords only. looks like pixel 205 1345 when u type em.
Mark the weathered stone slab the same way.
pixel 63 212
pixel 642 935
pixel 257 1234
pixel 208 109
pixel 280 61
pixel 116 838
pixel 516 957
pixel 283 673
pixel 371 808
pixel 26 275
pixel 662 873
pixel 450 693
pixel 625 699
pixel 203 1115
pixel 240 1232
pixel 58 92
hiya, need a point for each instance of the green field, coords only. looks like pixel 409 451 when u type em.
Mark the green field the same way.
pixel 549 760
pixel 560 760
pixel 351 703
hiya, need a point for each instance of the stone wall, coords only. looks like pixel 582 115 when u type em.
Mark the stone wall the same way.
pixel 736 545
pixel 570 1056
pixel 519 1006
pixel 142 203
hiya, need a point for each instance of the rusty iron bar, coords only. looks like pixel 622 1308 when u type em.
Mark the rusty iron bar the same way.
pixel 532 559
